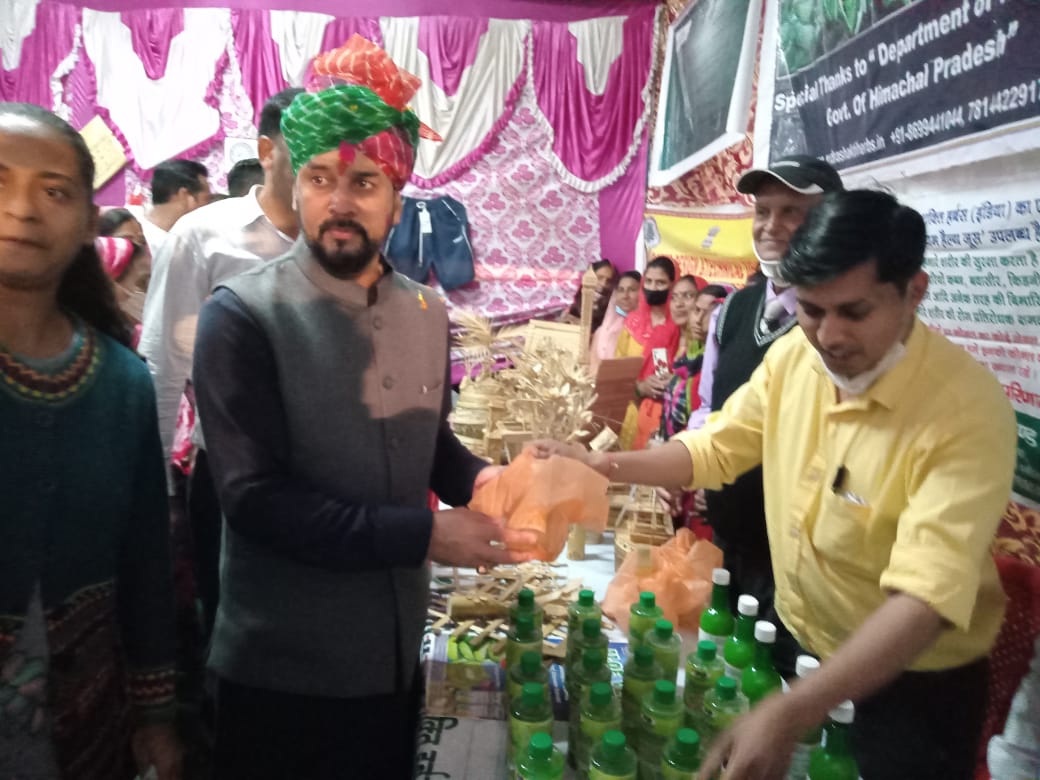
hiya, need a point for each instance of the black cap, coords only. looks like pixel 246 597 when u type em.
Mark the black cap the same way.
pixel 800 172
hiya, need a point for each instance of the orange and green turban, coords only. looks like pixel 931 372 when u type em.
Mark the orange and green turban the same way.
pixel 356 100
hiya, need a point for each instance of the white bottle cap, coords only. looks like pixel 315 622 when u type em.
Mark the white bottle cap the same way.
pixel 720 576
pixel 806 665
pixel 844 712
pixel 765 632
pixel 747 605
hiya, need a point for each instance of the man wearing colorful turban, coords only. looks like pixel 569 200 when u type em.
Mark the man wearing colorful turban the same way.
pixel 322 380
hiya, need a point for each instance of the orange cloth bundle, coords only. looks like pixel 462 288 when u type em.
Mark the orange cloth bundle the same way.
pixel 545 495
pixel 680 577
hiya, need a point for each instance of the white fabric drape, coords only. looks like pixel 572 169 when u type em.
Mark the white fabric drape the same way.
pixel 465 119
pixel 161 118
pixel 298 35
pixel 18 23
pixel 599 46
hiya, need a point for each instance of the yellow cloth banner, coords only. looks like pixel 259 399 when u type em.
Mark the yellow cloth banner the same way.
pixel 716 247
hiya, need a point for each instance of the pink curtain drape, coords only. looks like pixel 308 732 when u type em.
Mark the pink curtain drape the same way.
pixel 621 207
pixel 151 31
pixel 593 135
pixel 450 44
pixel 258 57
pixel 49 43
pixel 340 29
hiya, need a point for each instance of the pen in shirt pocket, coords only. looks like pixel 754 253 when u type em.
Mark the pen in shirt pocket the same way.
pixel 838 487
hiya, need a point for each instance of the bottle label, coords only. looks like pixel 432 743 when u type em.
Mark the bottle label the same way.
pixel 593 730
pixel 662 725
pixel 674 773
pixel 800 761
pixel 599 774
pixel 521 731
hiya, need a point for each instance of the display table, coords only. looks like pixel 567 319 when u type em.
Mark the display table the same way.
pixel 463 748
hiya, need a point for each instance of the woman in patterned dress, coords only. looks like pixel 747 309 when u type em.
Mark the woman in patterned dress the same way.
pixel 86 599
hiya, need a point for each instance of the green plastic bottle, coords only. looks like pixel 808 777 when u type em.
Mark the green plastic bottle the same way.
pixel 833 759
pixel 721 707
pixel 525 605
pixel 600 713
pixel 641 672
pixel 662 717
pixel 582 609
pixel 717 620
pixel 531 714
pixel 761 678
pixel 682 756
pixel 613 759
pixel 523 637
pixel 667 647
pixel 590 635
pixel 530 669
pixel 740 648
pixel 642 616
pixel 542 762
pixel 703 669
pixel 804 666
pixel 593 670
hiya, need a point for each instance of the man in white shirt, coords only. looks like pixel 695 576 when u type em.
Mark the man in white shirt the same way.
pixel 178 187
pixel 205 248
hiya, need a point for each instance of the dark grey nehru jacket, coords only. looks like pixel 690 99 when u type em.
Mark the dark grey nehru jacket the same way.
pixel 325 407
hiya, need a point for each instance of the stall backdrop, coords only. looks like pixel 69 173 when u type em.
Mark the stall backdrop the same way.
pixel 544 118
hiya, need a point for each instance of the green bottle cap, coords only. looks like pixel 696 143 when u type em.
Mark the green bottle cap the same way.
pixel 664 692
pixel 687 743
pixel 541 746
pixel 613 744
pixel 530 662
pixel 525 626
pixel 663 629
pixel 726 688
pixel 532 694
pixel 590 628
pixel 706 650
pixel 592 659
pixel 647 600
pixel 644 656
pixel 587 598
pixel 600 694
pixel 525 599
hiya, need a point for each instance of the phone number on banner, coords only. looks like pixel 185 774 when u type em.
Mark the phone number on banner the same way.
pixel 1009 99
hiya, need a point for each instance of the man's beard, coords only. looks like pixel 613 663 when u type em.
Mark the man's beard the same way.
pixel 344 262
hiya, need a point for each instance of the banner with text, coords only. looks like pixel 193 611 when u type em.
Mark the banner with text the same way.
pixel 864 80
pixel 984 294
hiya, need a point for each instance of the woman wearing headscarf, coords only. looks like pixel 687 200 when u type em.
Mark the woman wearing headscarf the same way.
pixel 623 302
pixel 651 334
pixel 692 305
pixel 129 267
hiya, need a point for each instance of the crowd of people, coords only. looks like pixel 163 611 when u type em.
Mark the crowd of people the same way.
pixel 263 345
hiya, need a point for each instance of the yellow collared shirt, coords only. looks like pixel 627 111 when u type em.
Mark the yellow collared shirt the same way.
pixel 899 489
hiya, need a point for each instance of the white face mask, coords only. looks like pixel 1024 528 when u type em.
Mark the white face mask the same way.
pixel 621 312
pixel 770 268
pixel 859 384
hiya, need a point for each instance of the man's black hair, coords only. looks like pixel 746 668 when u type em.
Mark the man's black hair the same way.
pixel 243 175
pixel 170 176
pixel 847 229
pixel 271 115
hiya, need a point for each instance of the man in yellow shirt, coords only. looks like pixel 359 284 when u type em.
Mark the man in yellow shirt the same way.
pixel 887 455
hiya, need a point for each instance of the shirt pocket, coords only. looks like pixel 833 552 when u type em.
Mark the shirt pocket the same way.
pixel 845 536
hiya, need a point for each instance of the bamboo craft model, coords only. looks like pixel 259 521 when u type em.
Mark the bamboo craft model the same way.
pixel 641 521
pixel 475 608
